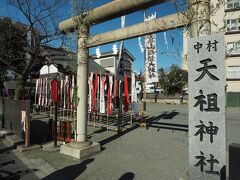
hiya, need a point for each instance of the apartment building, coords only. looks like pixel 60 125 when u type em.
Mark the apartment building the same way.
pixel 225 17
pixel 110 62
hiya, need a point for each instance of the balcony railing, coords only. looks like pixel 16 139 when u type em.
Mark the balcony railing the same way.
pixel 233 75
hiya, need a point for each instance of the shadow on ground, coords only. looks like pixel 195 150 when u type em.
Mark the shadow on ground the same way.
pixel 127 176
pixel 103 129
pixel 6 149
pixel 39 132
pixel 7 163
pixel 7 175
pixel 153 122
pixel 11 168
pixel 70 172
pixel 116 136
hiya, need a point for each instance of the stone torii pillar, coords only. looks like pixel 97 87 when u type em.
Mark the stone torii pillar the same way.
pixel 82 147
pixel 82 85
pixel 109 11
pixel 199 14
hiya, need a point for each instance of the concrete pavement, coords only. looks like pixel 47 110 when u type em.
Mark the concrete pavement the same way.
pixel 156 153
pixel 11 167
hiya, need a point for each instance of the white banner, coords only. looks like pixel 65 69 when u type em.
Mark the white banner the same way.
pixel 111 86
pixel 115 49
pixel 40 92
pixel 23 113
pixel 43 92
pixel 73 87
pixel 121 43
pixel 90 92
pixel 151 55
pixel 102 99
pixel 165 39
pixel 36 91
pixel 46 90
pixel 140 45
pixel 61 92
pixel 134 94
pixel 65 91
pixel 98 52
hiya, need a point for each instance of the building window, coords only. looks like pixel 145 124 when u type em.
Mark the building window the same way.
pixel 231 4
pixel 233 48
pixel 233 72
pixel 233 25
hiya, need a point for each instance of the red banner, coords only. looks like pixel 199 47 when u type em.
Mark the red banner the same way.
pixel 54 91
pixel 115 92
pixel 126 93
pixel 93 95
pixel 95 90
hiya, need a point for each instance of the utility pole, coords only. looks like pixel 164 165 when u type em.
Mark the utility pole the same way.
pixel 121 74
pixel 120 113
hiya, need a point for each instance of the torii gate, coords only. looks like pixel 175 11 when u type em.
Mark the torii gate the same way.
pixel 107 12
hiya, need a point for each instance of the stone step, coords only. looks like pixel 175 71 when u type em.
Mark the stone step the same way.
pixel 14 140
pixel 5 132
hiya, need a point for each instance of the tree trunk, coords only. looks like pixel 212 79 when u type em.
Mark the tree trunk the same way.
pixel 1 106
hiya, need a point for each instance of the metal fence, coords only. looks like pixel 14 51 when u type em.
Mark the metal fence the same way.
pixel 67 120
pixel 111 122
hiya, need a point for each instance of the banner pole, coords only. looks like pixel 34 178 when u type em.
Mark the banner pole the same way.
pixel 55 125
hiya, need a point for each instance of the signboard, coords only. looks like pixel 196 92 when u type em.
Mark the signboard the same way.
pixel 133 93
pixel 151 55
pixel 207 138
pixel 54 90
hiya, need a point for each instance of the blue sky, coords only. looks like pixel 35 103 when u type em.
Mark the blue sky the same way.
pixel 166 57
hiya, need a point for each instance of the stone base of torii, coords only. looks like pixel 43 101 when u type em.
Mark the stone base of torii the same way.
pixel 80 150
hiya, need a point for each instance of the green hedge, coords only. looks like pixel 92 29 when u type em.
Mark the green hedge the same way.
pixel 233 99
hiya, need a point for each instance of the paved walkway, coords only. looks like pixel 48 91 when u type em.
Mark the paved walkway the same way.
pixel 158 153
pixel 11 167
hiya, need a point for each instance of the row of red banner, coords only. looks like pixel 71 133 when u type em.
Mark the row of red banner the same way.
pixel 102 88
pixel 108 88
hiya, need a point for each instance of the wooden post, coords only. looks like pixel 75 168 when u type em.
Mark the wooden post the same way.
pixel 27 128
pixel 27 123
pixel 55 125
pixel 55 100
pixel 119 127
